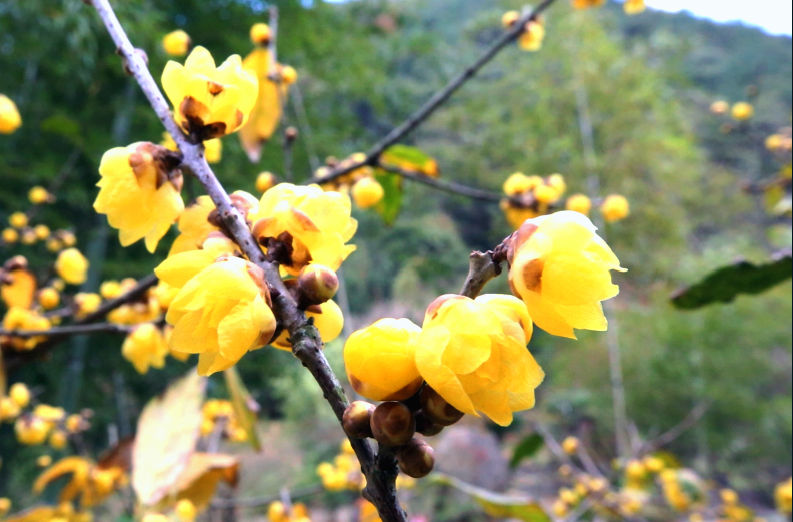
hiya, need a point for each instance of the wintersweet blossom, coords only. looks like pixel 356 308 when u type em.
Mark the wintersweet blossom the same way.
pixel 145 347
pixel 139 193
pixel 315 225
pixel 473 353
pixel 209 101
pixel 380 360
pixel 221 312
pixel 560 268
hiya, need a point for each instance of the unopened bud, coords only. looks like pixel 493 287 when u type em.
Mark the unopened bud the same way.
pixel 437 409
pixel 425 426
pixel 416 458
pixel 356 419
pixel 392 424
pixel 290 133
pixel 316 284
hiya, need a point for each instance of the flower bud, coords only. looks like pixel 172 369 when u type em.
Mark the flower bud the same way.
pixel 437 409
pixel 20 394
pixel 416 459
pixel 316 284
pixel 264 181
pixel 356 419
pixel 426 426
pixel 260 33
pixel 509 18
pixel 392 423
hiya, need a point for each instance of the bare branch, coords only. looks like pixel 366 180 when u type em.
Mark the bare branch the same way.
pixel 481 269
pixel 306 342
pixel 437 99
pixel 444 185
pixel 694 416
pixel 68 331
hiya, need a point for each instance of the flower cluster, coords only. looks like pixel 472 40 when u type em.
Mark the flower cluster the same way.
pixel 530 196
pixel 218 414
pixel 469 355
pixel 40 423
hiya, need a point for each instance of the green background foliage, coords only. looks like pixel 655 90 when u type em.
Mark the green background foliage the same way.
pixel 364 66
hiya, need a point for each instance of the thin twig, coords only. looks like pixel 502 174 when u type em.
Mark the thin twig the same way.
pixel 677 430
pixel 481 269
pixel 306 132
pixel 445 185
pixel 68 331
pixel 437 99
pixel 306 342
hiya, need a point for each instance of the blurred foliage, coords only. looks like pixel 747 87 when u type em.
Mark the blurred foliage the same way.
pixel 646 82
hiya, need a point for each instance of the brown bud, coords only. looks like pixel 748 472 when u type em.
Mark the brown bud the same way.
pixel 425 426
pixel 290 133
pixel 392 423
pixel 16 263
pixel 316 284
pixel 356 419
pixel 437 409
pixel 416 458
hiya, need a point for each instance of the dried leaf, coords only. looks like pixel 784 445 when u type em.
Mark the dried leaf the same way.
pixel 267 112
pixel 21 290
pixel 201 477
pixel 245 408
pixel 168 429
pixel 497 504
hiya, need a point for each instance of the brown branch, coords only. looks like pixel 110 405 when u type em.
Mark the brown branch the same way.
pixel 445 185
pixel 41 349
pixel 306 343
pixel 437 99
pixel 481 269
pixel 68 331
pixel 677 430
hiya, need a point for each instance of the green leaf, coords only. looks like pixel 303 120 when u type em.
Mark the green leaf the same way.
pixel 245 408
pixel 497 504
pixel 727 282
pixel 389 206
pixel 410 158
pixel 65 126
pixel 525 449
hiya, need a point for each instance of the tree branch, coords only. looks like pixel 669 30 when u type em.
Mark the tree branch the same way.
pixel 67 331
pixel 445 185
pixel 306 343
pixel 437 99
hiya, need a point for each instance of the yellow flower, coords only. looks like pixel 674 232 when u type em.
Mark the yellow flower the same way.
pixel 209 101
pixel 185 510
pixel 145 347
pixel 783 496
pixel 328 320
pixel 5 505
pixel 614 208
pixel 18 318
pixel 194 226
pixel 139 192
pixel 367 192
pixel 509 18
pixel 10 235
pixel 546 194
pixel 176 43
pixel 579 203
pixel 560 268
pixel 260 33
pixel 517 183
pixel 221 312
pixel 633 7
pixel 531 38
pixel 514 215
pixel 473 354
pixel 38 195
pixel 316 224
pixel 583 4
pixel 10 119
pixel 87 302
pixel 18 220
pixel 265 181
pixel 742 111
pixel 20 394
pixel 31 430
pixel 380 360
pixel 570 445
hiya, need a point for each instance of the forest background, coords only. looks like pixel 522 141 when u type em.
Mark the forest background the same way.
pixel 649 81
